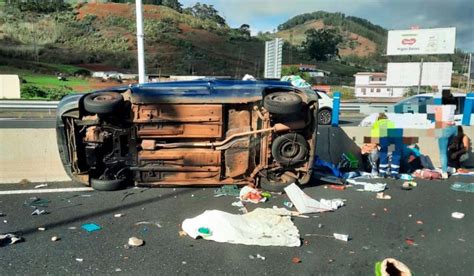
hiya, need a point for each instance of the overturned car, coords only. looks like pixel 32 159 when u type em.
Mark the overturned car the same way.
pixel 204 132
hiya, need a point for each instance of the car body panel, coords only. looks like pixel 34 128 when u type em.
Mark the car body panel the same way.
pixel 184 133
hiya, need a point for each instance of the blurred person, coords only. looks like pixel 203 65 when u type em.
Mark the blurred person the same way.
pixel 458 149
pixel 390 139
pixel 445 128
pixel 371 152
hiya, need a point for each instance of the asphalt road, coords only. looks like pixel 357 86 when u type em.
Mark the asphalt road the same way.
pixel 378 229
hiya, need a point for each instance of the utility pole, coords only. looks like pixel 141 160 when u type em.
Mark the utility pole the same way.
pixel 468 87
pixel 421 76
pixel 140 46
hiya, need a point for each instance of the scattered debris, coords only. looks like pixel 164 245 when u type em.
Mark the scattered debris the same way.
pixel 7 239
pixel 2 214
pixel 266 195
pixel 36 202
pixel 337 187
pixel 72 228
pixel 263 226
pixel 55 238
pixel 91 227
pixel 79 260
pixel 463 187
pixel 419 222
pixel 148 223
pixel 405 176
pixel 288 204
pixel 305 204
pixel 296 260
pixel 410 242
pixel 260 257
pixel 461 240
pixel 227 190
pixel 381 195
pixel 342 237
pixel 135 242
pixel 41 229
pixel 250 194
pixel 41 186
pixel 391 266
pixel 118 270
pixel 184 262
pixel 182 233
pixel 118 215
pixel 320 226
pixel 241 206
pixel 408 185
pixel 457 215
pixel 38 212
pixel 368 187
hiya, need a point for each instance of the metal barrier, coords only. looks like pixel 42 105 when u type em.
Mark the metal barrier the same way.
pixel 49 105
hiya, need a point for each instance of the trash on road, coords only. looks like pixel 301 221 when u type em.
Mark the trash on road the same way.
pixel 296 260
pixel 38 212
pixel 288 204
pixel 260 257
pixel 381 195
pixel 337 187
pixel 227 190
pixel 55 238
pixel 427 174
pixel 41 186
pixel 305 204
pixel 408 185
pixel 368 187
pixel 79 260
pixel 263 226
pixel 250 194
pixel 7 239
pixel 410 242
pixel 457 215
pixel 419 222
pixel 241 206
pixel 463 187
pixel 148 223
pixel 391 266
pixel 405 176
pixel 91 227
pixel 118 215
pixel 337 236
pixel 135 242
pixel 37 202
pixel 41 229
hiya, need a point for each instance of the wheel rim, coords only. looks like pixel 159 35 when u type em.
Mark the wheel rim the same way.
pixel 282 98
pixel 325 117
pixel 289 150
pixel 103 98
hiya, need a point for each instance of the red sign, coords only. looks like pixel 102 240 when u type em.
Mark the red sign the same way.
pixel 409 41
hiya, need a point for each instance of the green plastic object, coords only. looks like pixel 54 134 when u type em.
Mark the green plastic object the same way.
pixel 463 187
pixel 353 161
pixel 204 231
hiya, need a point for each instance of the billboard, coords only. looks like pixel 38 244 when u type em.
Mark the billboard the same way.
pixel 408 73
pixel 421 41
pixel 273 58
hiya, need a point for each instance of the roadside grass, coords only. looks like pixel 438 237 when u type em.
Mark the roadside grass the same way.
pixel 52 81
pixel 346 92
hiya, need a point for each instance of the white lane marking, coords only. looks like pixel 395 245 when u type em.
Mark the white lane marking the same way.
pixel 43 191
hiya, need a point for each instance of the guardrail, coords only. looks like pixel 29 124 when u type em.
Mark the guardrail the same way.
pixel 50 105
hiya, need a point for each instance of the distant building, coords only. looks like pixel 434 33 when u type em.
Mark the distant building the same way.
pixel 374 85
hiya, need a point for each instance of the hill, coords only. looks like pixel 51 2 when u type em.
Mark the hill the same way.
pixel 361 38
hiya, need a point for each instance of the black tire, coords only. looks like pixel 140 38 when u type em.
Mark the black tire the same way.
pixel 289 149
pixel 103 102
pixel 282 103
pixel 107 185
pixel 275 185
pixel 324 117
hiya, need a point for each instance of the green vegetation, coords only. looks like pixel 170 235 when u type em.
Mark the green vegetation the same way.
pixel 347 93
pixel 33 92
pixel 322 44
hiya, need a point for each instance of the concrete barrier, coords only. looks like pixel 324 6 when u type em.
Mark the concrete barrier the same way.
pixel 32 154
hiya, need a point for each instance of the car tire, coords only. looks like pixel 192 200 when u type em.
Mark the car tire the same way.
pixel 289 149
pixel 324 116
pixel 282 103
pixel 103 102
pixel 107 185
pixel 275 186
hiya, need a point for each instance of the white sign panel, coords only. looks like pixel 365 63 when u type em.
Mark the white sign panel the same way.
pixel 408 73
pixel 421 41
pixel 273 58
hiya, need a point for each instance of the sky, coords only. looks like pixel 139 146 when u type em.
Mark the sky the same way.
pixel 266 15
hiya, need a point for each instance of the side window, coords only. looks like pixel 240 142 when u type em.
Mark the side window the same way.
pixel 460 105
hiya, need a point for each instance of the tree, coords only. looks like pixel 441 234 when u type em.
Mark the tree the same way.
pixel 322 44
pixel 204 12
pixel 174 4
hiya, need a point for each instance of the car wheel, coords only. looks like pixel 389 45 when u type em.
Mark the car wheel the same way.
pixel 282 103
pixel 103 102
pixel 289 149
pixel 107 185
pixel 324 117
pixel 276 185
